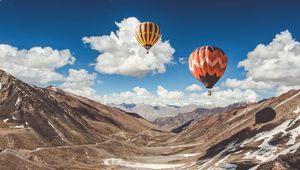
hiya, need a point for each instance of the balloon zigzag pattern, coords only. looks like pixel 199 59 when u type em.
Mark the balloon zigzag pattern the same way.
pixel 208 64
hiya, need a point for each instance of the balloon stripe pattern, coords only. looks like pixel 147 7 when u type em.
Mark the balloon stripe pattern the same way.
pixel 208 64
pixel 147 34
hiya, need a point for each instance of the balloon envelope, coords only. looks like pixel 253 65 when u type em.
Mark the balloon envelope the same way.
pixel 208 64
pixel 147 34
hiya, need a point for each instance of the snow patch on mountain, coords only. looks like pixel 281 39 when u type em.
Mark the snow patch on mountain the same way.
pixel 18 101
pixel 229 148
pixel 121 162
pixel 267 151
pixel 297 110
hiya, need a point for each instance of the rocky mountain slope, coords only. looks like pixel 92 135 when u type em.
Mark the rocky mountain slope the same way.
pixel 246 138
pixel 34 122
pixel 263 135
pixel 52 129
pixel 181 120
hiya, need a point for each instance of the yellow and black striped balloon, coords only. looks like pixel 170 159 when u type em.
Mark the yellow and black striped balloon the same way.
pixel 147 34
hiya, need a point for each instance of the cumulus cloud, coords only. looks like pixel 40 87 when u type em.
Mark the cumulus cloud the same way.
pixel 164 96
pixel 121 54
pixel 193 87
pixel 277 62
pixel 141 91
pixel 248 84
pixel 272 66
pixel 80 82
pixel 142 95
pixel 37 65
pixel 284 89
pixel 223 97
pixel 136 95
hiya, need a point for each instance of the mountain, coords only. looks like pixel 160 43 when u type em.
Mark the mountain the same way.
pixel 34 122
pixel 181 120
pixel 151 113
pixel 48 128
pixel 284 162
pixel 262 135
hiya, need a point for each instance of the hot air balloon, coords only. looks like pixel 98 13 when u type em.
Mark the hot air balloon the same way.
pixel 208 64
pixel 147 34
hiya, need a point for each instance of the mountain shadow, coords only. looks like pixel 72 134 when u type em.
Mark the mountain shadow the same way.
pixel 182 127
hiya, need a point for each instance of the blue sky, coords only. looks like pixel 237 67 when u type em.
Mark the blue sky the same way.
pixel 235 26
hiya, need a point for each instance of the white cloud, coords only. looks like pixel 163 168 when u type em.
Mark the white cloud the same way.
pixel 248 84
pixel 182 60
pixel 37 65
pixel 142 95
pixel 121 54
pixel 163 96
pixel 274 66
pixel 166 94
pixel 277 62
pixel 136 95
pixel 80 82
pixel 223 97
pixel 193 87
pixel 141 91
pixel 284 89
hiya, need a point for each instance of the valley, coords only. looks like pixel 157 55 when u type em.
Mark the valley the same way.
pixel 48 128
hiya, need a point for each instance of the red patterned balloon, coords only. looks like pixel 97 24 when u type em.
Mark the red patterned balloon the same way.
pixel 208 64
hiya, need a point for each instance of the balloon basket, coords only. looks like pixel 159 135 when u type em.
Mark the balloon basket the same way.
pixel 209 93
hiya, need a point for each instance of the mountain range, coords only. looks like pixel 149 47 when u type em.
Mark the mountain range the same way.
pixel 181 120
pixel 151 113
pixel 48 128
